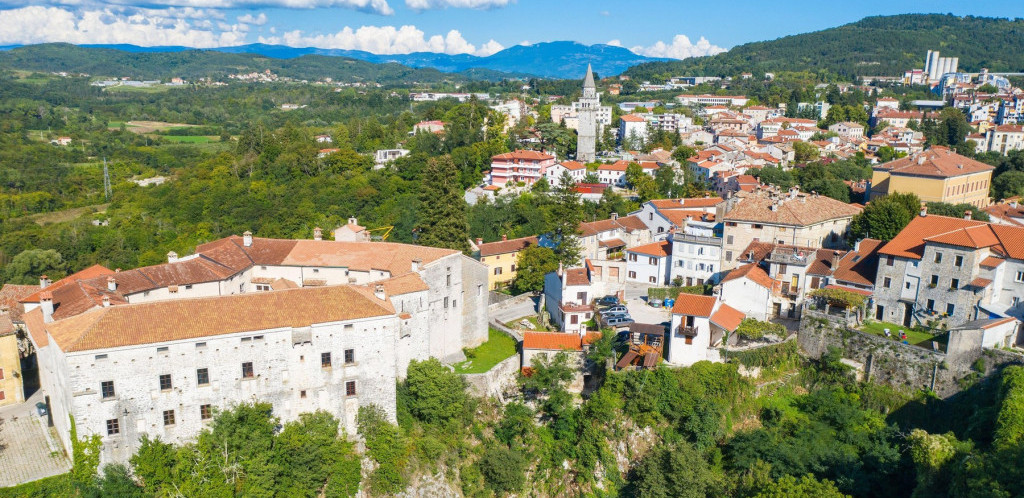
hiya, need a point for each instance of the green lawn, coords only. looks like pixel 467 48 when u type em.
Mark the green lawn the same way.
pixel 915 337
pixel 498 347
pixel 190 139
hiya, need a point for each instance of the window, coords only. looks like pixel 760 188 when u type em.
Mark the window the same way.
pixel 728 240
pixel 98 357
pixel 930 305
pixel 262 287
pixel 106 388
pixel 302 394
pixel 950 308
pixel 1019 277
pixel 513 269
pixel 935 280
pixel 958 261
pixel 652 261
pixel 165 382
pixel 446 302
pixel 574 319
pixel 497 271
pixel 730 223
pixel 938 257
pixel 325 360
pixel 758 226
pixel 3 395
pixel 168 417
pixel 247 370
pixel 728 255
pixel 632 257
pixel 162 349
pixel 1015 301
pixel 886 282
pixel 581 297
pixel 113 427
pixel 350 388
pixel 200 345
pixel 632 274
pixel 316 270
pixel 448 280
pixel 652 280
pixel 203 376
pixel 954 284
pixel 350 356
pixel 889 260
pixel 205 412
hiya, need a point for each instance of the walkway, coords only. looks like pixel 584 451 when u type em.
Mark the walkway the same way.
pixel 28 449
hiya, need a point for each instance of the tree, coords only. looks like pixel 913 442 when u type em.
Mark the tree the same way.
pixel 956 210
pixel 504 469
pixel 566 216
pixel 804 152
pixel 885 216
pixel 443 208
pixel 1008 184
pixel 437 395
pixel 677 470
pixel 29 265
pixel 886 153
pixel 804 487
pixel 532 264
pixel 548 374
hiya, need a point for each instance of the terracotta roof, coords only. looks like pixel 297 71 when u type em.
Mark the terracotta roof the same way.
pixel 991 262
pixel 616 166
pixel 860 266
pixel 405 284
pixel 803 210
pixel 611 243
pixel 10 297
pixel 363 256
pixel 751 272
pixel 573 165
pixel 1011 213
pixel 822 261
pixel 576 276
pixel 90 272
pixel 628 223
pixel 727 317
pixel 558 340
pixel 506 246
pixel 693 305
pixel 6 325
pixel 686 203
pixel 657 249
pixel 678 216
pixel 909 243
pixel 183 319
pixel 756 251
pixel 531 155
pixel 938 161
pixel 980 283
pixel 632 118
pixel 974 237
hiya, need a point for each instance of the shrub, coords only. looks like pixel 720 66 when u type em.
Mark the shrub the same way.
pixel 755 329
pixel 504 470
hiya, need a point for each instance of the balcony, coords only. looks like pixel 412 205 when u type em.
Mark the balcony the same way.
pixel 697 239
pixel 790 256
pixel 687 331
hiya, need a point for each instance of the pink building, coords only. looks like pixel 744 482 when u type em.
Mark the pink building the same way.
pixel 525 166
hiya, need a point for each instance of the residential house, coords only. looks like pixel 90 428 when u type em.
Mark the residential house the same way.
pixel 520 166
pixel 847 129
pixel 632 129
pixel 606 239
pixel 435 126
pixel 649 263
pixel 1005 138
pixel 699 325
pixel 385 156
pixel 577 172
pixel 661 216
pixel 696 253
pixel 549 344
pixel 935 175
pixel 501 258
pixel 568 298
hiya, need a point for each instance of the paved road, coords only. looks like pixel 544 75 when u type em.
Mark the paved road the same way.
pixel 526 308
pixel 28 449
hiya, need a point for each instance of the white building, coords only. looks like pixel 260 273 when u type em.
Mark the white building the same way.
pixel 577 172
pixel 301 324
pixel 696 253
pixel 632 128
pixel 649 263
pixel 699 325
pixel 385 156
pixel 568 298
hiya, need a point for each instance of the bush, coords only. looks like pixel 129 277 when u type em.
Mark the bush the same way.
pixel 673 292
pixel 755 329
pixel 504 470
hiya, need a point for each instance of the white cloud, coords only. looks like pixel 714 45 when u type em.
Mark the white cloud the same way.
pixel 38 24
pixel 259 20
pixel 374 6
pixel 615 43
pixel 680 48
pixel 384 40
pixel 457 4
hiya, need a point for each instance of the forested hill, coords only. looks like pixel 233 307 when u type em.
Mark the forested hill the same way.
pixel 873 46
pixel 193 64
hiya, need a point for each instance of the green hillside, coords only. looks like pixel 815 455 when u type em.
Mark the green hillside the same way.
pixel 192 64
pixel 873 46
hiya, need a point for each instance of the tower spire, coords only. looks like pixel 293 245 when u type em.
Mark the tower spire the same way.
pixel 588 82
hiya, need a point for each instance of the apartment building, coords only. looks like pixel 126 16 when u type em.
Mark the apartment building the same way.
pixel 501 258
pixel 935 175
pixel 520 166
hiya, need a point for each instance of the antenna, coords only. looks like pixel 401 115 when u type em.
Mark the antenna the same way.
pixel 106 180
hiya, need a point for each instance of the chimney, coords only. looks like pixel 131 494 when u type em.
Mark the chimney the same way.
pixel 353 221
pixel 378 291
pixel 924 211
pixel 172 257
pixel 46 303
pixel 561 269
pixel 106 301
pixel 479 241
pixel 44 281
pixel 504 237
pixel 111 284
pixel 615 216
pixel 318 233
pixel 416 264
pixel 247 239
pixel 835 259
pixel 967 214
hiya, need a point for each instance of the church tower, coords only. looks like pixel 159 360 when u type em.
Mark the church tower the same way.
pixel 587 108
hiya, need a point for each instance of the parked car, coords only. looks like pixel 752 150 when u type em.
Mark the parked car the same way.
pixel 657 303
pixel 618 308
pixel 608 301
pixel 617 321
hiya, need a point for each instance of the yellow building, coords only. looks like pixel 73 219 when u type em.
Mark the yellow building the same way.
pixel 935 175
pixel 500 258
pixel 11 390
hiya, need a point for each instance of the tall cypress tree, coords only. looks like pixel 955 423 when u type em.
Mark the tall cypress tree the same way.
pixel 567 214
pixel 442 207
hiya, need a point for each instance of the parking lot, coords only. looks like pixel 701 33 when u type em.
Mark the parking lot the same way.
pixel 640 312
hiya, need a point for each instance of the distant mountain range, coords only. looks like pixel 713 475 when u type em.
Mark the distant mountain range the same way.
pixel 873 46
pixel 560 59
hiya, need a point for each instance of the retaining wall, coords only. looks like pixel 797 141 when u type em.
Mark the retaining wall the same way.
pixel 496 381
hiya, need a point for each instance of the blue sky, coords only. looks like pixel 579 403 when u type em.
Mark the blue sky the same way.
pixel 667 28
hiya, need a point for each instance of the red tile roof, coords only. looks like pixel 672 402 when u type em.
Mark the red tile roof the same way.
pixel 938 162
pixel 860 266
pixel 803 210
pixel 693 305
pixel 530 155
pixel 506 246
pixel 11 296
pixel 751 272
pixel 854 290
pixel 558 340
pixel 727 317
pixel 632 118
pixel 991 262
pixel 90 272
pixel 577 276
pixel 657 249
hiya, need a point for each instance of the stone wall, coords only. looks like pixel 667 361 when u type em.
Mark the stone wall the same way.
pixel 496 381
pixel 511 303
